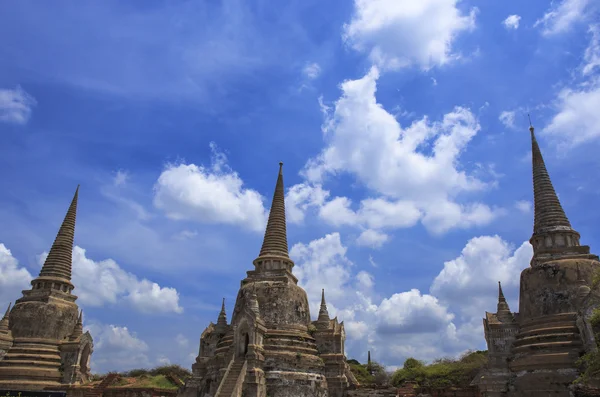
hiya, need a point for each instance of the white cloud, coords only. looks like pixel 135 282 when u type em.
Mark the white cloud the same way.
pixel 592 53
pixel 365 280
pixel 13 278
pixel 512 22
pixel 415 169
pixel 105 282
pixel 372 238
pixel 375 213
pixel 300 198
pixel 15 105
pixel 401 33
pixel 560 17
pixel 410 312
pixel 434 81
pixel 577 120
pixel 523 206
pixel 312 70
pixel 322 263
pixel 507 118
pixel 117 349
pixel 469 282
pixel 209 195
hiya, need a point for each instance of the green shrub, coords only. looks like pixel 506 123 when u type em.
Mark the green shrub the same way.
pixel 442 372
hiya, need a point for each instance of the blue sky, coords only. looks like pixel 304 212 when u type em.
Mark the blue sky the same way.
pixel 403 130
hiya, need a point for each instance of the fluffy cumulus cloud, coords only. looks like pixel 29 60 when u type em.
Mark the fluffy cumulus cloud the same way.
pixel 302 197
pixel 322 264
pixel 562 15
pixel 15 105
pixel 372 238
pixel 401 33
pixel 214 194
pixel 468 283
pixel 13 278
pixel 116 348
pixel 415 169
pixel 105 282
pixel 512 22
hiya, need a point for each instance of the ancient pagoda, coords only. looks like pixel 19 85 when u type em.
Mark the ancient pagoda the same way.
pixel 271 347
pixel 41 339
pixel 534 352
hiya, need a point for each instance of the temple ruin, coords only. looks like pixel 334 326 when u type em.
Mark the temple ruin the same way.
pixel 534 352
pixel 271 347
pixel 42 343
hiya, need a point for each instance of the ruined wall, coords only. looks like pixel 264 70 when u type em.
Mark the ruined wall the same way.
pixel 281 305
pixel 52 320
pixel 551 288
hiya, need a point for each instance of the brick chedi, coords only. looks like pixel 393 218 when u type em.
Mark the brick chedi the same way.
pixel 44 329
pixel 535 352
pixel 271 347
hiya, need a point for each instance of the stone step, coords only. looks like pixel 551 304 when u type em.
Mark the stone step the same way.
pixel 31 363
pixel 30 356
pixel 549 330
pixel 9 372
pixel 550 319
pixel 544 360
pixel 544 338
pixel 553 346
pixel 34 349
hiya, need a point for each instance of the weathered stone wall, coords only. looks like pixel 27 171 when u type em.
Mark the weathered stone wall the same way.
pixel 281 304
pixel 552 288
pixel 48 320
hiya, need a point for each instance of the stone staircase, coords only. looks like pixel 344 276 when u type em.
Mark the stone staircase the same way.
pixel 549 342
pixel 230 380
pixel 99 390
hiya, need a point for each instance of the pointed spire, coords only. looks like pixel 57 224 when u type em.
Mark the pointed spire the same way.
pixel 323 312
pixel 501 297
pixel 78 330
pixel 369 357
pixel 59 260
pixel 4 322
pixel 503 311
pixel 275 241
pixel 222 315
pixel 548 212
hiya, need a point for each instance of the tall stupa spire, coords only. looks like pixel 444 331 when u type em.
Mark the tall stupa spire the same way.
pixel 275 241
pixel 548 213
pixel 59 260
pixel 553 235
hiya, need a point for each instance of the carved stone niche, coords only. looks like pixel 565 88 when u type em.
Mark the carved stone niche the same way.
pixel 75 359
